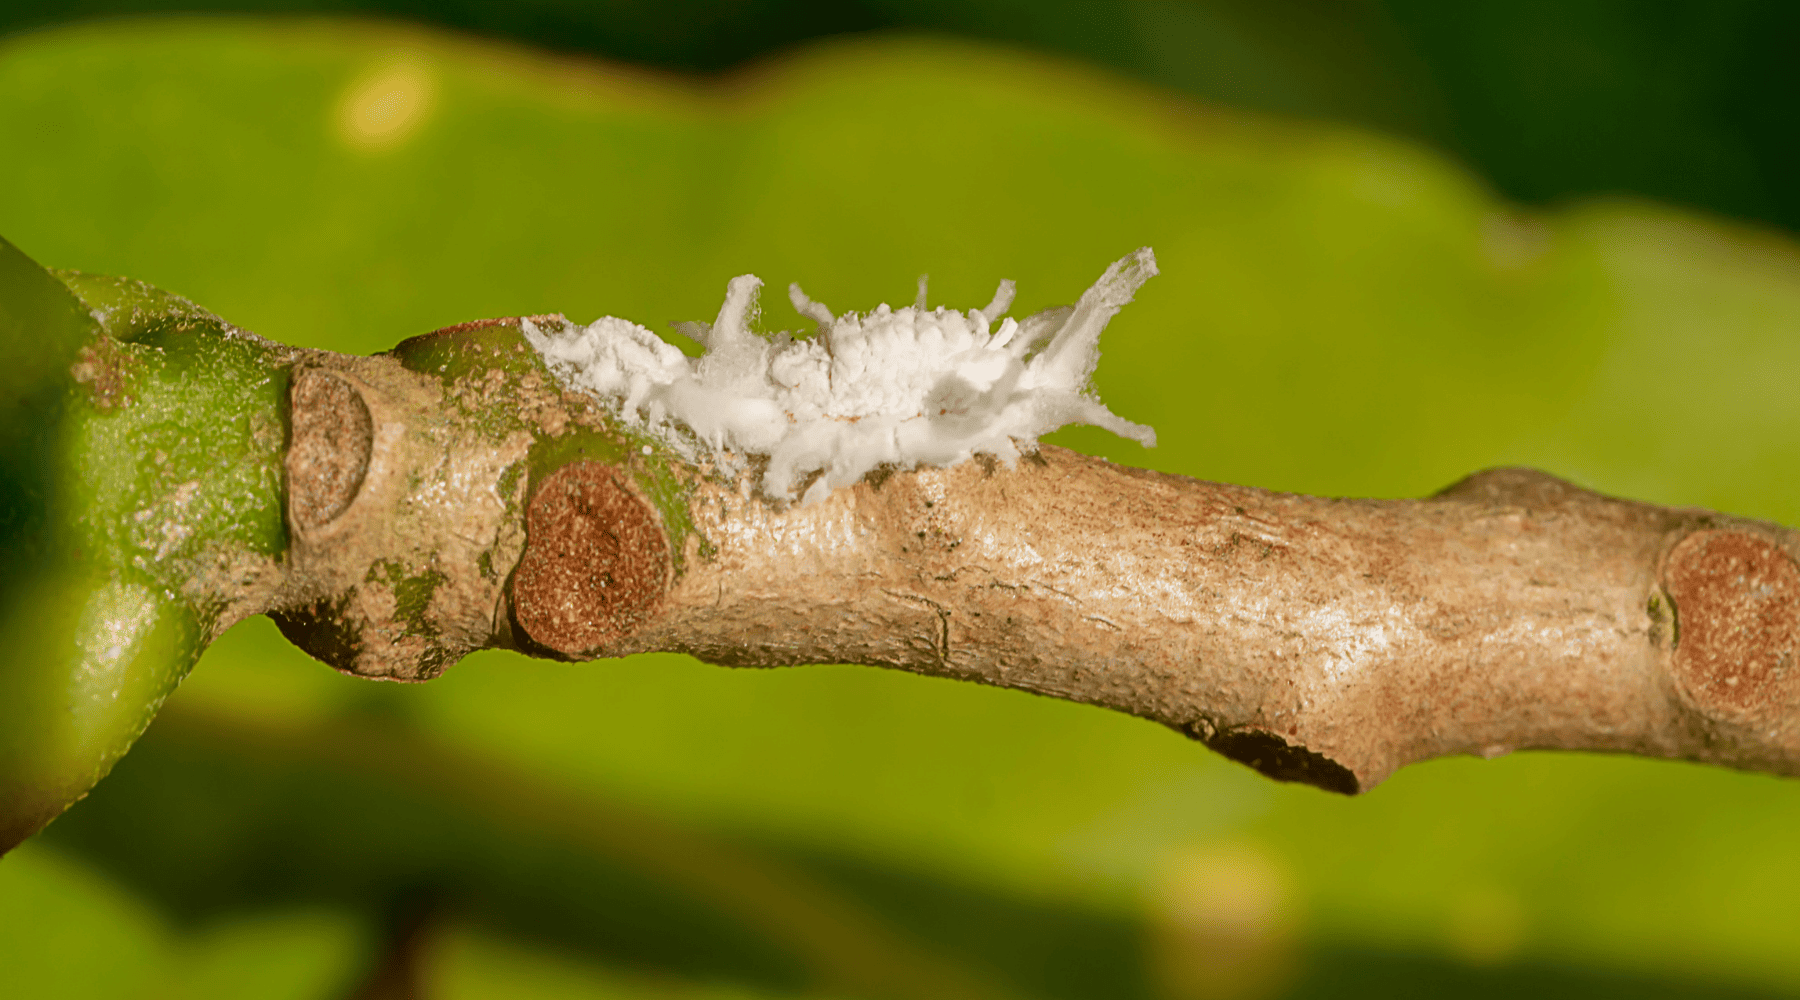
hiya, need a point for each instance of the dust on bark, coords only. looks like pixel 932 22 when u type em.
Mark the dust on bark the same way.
pixel 101 368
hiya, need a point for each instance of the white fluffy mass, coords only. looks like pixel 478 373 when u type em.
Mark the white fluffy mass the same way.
pixel 904 387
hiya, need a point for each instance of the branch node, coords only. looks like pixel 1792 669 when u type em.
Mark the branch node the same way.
pixel 328 455
pixel 1737 595
pixel 596 561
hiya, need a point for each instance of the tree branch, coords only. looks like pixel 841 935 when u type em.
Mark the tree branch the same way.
pixel 589 491
pixel 1328 641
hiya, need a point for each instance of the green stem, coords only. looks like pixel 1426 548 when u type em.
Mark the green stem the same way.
pixel 141 461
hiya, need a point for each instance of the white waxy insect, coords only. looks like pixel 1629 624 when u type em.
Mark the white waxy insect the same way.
pixel 904 387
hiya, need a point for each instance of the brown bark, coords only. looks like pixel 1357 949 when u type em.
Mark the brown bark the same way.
pixel 1322 640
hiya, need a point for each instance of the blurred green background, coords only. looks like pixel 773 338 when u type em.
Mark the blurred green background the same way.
pixel 1399 242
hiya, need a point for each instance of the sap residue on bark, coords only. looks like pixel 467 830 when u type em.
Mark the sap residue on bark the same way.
pixel 902 387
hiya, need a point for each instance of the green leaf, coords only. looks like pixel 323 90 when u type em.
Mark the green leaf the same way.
pixel 66 930
pixel 1338 313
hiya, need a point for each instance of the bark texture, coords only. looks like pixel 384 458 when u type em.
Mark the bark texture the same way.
pixel 1329 641
pixel 1319 640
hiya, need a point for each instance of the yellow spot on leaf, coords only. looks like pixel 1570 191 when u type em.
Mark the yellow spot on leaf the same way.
pixel 1224 924
pixel 384 107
